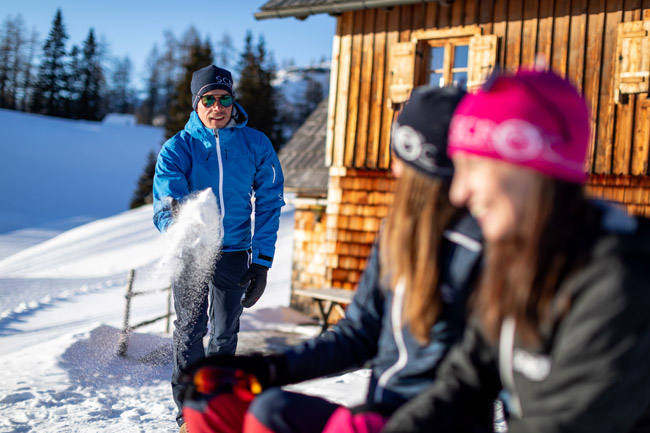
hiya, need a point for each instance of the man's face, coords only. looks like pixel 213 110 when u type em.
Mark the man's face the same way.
pixel 215 116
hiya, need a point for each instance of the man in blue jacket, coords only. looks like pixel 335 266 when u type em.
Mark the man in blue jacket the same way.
pixel 217 150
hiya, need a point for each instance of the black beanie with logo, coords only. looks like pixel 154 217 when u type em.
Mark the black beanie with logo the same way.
pixel 210 78
pixel 419 135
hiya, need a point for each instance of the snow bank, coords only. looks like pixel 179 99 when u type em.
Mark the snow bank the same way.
pixel 119 119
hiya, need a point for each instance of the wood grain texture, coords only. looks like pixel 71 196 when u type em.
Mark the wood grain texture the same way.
pixel 606 110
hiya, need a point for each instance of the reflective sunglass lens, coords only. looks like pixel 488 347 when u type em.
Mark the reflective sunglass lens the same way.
pixel 209 100
pixel 226 100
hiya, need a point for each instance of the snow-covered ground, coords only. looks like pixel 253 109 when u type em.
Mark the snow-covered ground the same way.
pixel 66 247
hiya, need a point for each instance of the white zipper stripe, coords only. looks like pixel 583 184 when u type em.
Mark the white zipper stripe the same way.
pixel 221 200
pixel 506 346
pixel 396 322
pixel 463 240
pixel 273 167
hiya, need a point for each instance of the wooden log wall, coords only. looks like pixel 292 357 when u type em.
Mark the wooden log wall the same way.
pixel 579 41
pixel 578 37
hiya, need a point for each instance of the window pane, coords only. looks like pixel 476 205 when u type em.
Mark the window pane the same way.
pixel 436 80
pixel 460 56
pixel 459 79
pixel 437 57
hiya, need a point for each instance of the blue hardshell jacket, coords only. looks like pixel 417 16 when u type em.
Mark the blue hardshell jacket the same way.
pixel 373 330
pixel 236 162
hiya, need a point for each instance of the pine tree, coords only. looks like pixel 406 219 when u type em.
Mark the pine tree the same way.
pixel 199 55
pixel 73 84
pixel 143 193
pixel 255 92
pixel 169 65
pixel 149 109
pixel 91 80
pixel 49 92
pixel 121 96
pixel 25 81
pixel 226 52
pixel 5 54
pixel 13 42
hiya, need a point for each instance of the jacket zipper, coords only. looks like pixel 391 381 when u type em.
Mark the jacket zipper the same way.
pixel 396 322
pixel 221 203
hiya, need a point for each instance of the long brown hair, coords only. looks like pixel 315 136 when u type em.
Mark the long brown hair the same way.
pixel 522 275
pixel 409 246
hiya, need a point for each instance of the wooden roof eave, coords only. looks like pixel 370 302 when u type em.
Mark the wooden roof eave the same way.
pixel 303 11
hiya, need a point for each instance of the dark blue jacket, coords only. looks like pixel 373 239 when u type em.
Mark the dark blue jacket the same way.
pixel 372 328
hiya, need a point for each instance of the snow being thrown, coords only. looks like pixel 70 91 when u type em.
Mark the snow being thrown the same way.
pixel 194 240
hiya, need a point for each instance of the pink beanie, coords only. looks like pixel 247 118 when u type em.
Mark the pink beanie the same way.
pixel 532 119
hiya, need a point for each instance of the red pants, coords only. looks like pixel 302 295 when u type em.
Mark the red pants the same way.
pixel 223 413
pixel 277 411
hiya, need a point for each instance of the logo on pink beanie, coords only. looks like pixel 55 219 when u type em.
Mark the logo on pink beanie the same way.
pixel 533 119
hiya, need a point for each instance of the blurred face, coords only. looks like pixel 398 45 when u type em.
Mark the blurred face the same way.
pixel 216 115
pixel 495 193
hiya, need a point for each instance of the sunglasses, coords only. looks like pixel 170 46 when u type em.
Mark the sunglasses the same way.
pixel 209 100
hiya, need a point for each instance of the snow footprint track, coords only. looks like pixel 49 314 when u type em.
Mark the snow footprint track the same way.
pixel 51 292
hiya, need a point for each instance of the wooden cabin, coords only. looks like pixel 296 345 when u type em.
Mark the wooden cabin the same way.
pixel 382 49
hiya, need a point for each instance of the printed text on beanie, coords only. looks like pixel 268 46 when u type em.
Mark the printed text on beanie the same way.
pixel 419 136
pixel 533 119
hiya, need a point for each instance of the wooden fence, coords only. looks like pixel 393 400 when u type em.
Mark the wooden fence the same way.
pixel 126 328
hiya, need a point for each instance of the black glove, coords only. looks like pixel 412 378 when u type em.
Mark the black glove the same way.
pixel 270 370
pixel 175 207
pixel 255 279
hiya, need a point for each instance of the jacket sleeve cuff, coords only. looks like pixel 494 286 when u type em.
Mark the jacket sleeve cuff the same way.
pixel 262 259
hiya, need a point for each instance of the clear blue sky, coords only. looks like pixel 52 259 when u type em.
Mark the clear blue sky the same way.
pixel 132 27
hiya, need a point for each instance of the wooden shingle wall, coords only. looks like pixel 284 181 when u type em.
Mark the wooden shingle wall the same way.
pixel 309 268
pixel 632 192
pixel 358 200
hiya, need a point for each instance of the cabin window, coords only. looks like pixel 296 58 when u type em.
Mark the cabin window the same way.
pixel 438 58
pixel 447 63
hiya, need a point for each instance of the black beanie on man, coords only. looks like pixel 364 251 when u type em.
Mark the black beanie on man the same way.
pixel 419 136
pixel 210 78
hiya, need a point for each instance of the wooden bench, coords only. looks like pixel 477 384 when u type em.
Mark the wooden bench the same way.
pixel 327 300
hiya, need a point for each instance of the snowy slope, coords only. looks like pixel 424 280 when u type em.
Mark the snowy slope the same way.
pixel 292 83
pixel 64 172
pixel 62 304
